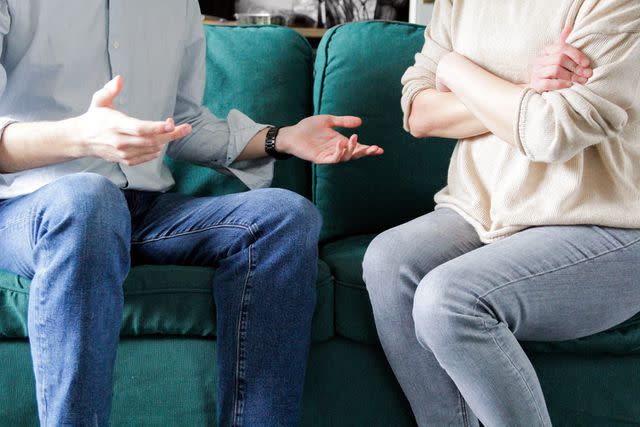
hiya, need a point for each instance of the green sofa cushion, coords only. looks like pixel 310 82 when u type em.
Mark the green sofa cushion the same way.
pixel 358 70
pixel 265 72
pixel 354 318
pixel 164 300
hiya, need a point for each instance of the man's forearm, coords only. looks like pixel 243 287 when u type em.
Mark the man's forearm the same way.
pixel 442 114
pixel 255 147
pixel 494 101
pixel 32 145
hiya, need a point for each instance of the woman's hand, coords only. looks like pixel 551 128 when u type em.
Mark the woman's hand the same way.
pixel 559 66
pixel 314 139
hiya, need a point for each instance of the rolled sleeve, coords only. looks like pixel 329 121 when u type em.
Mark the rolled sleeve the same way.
pixel 257 173
pixel 423 74
pixel 217 143
pixel 5 25
pixel 4 122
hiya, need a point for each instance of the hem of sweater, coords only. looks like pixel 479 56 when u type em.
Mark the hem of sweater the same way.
pixel 485 236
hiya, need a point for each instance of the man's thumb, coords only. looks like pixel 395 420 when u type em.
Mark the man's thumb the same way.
pixel 105 96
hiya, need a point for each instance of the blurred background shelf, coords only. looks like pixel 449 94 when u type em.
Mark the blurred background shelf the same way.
pixel 309 33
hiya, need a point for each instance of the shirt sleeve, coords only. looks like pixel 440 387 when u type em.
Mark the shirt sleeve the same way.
pixel 422 75
pixel 214 142
pixel 5 25
pixel 553 127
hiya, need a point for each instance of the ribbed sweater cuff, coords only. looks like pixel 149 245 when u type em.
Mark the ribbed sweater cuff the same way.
pixel 520 123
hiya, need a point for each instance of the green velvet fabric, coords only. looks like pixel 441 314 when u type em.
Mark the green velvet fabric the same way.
pixel 265 72
pixel 165 300
pixel 170 381
pixel 358 70
pixel 354 318
pixel 353 315
pixel 595 390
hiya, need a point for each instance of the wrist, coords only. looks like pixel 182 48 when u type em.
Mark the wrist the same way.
pixel 284 140
pixel 69 132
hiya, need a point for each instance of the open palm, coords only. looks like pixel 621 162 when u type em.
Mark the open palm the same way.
pixel 316 140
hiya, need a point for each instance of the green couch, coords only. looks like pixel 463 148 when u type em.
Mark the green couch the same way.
pixel 165 365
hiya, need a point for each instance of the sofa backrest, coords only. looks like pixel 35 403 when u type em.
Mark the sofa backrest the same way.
pixel 357 72
pixel 265 72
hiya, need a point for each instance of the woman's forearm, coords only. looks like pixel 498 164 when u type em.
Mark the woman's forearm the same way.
pixel 493 101
pixel 442 114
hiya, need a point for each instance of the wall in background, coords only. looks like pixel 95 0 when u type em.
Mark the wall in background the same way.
pixel 420 12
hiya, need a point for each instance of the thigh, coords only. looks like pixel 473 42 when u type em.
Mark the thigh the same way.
pixel 551 283
pixel 411 250
pixel 173 228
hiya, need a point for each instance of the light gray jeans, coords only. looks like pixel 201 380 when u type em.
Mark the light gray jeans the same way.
pixel 450 310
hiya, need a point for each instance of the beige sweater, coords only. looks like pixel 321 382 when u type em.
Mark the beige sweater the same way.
pixel 577 159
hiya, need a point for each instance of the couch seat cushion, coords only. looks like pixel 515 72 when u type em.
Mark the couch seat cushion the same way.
pixel 165 300
pixel 354 318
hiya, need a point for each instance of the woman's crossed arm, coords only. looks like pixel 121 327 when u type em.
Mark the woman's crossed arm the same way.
pixel 440 112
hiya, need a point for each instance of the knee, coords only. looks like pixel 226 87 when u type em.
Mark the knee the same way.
pixel 296 215
pixel 89 200
pixel 384 262
pixel 444 309
pixel 377 259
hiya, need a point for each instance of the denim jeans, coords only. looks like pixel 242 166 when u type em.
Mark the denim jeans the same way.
pixel 76 237
pixel 450 310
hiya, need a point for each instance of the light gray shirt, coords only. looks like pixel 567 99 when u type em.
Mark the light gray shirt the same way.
pixel 57 53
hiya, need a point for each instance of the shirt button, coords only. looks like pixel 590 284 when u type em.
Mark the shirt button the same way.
pixel 116 45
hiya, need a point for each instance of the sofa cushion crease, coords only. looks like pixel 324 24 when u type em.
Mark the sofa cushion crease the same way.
pixel 162 300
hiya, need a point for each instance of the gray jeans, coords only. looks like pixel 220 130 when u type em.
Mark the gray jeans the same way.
pixel 450 310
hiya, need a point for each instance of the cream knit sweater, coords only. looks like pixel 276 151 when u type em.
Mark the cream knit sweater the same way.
pixel 577 159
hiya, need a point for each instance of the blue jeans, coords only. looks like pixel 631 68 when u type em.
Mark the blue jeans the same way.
pixel 450 310
pixel 76 238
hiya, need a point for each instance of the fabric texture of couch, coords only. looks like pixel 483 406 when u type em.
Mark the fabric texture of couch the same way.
pixel 165 366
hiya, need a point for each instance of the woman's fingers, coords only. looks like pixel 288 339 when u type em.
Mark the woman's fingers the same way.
pixel 576 55
pixel 554 72
pixel 557 59
pixel 579 79
pixel 548 85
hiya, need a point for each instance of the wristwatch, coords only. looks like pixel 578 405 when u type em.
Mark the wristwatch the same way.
pixel 270 144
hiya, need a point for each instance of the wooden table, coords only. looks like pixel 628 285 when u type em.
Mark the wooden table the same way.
pixel 309 33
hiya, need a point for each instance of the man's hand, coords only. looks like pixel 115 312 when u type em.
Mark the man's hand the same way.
pixel 314 139
pixel 109 134
pixel 559 66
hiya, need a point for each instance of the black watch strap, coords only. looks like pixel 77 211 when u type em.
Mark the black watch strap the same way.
pixel 270 144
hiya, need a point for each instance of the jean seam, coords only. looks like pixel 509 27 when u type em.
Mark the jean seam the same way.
pixel 553 270
pixel 520 374
pixel 42 349
pixel 194 231
pixel 15 222
pixel 463 410
pixel 241 329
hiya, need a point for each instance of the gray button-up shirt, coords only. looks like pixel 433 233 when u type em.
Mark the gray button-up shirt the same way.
pixel 57 53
